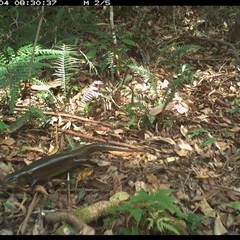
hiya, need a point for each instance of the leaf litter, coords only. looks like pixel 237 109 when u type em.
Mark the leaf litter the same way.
pixel 197 155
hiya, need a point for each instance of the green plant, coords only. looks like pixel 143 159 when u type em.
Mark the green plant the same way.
pixel 31 114
pixel 66 65
pixel 133 231
pixel 138 101
pixel 132 122
pixel 236 109
pixel 198 131
pixel 47 94
pixel 151 119
pixel 145 74
pixel 87 108
pixel 184 76
pixel 194 222
pixel 208 142
pixel 176 49
pixel 3 126
pixel 81 194
pixel 153 211
pixel 14 68
pixel 110 57
pixel 195 132
pixel 145 207
pixel 160 223
pixel 168 122
pixel 234 205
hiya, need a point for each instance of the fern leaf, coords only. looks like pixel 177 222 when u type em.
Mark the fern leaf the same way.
pixel 163 225
pixel 31 114
pixel 145 73
pixel 14 93
pixel 65 65
pixel 183 50
pixel 170 46
pixel 164 201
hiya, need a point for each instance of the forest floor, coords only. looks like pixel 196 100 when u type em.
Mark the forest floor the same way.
pixel 191 147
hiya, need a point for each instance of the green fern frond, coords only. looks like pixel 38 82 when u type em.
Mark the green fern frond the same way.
pixel 160 222
pixel 49 93
pixel 164 201
pixel 177 49
pixel 66 65
pixel 92 68
pixel 162 225
pixel 151 222
pixel 3 59
pixel 169 47
pixel 38 114
pixel 14 68
pixel 145 73
pixel 31 114
pixel 14 88
pixel 183 50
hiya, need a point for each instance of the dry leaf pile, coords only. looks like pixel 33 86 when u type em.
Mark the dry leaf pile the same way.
pixel 192 146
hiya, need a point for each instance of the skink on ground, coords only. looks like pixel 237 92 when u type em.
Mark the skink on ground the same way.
pixel 53 165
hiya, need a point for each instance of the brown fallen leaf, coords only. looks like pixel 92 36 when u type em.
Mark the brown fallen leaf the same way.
pixel 117 183
pixel 206 209
pixel 8 141
pixel 205 195
pixel 83 174
pixel 219 229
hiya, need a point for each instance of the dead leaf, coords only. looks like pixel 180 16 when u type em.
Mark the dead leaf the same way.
pixel 41 189
pixel 119 196
pixel 101 163
pixel 139 185
pixel 172 159
pixel 156 110
pixel 219 229
pixel 184 145
pixel 159 138
pixel 8 141
pixel 117 183
pixel 205 195
pixel 151 178
pixel 181 195
pixel 122 154
pixel 231 220
pixel 108 232
pixel 235 129
pixel 180 152
pixel 101 132
pixel 118 131
pixel 67 125
pixel 180 108
pixel 4 170
pixel 40 87
pixel 76 128
pixel 39 228
pixel 55 83
pixel 232 195
pixel 184 131
pixel 85 173
pixel 102 181
pixel 164 84
pixel 5 232
pixel 206 209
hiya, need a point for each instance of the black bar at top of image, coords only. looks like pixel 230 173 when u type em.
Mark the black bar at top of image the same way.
pixel 75 3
